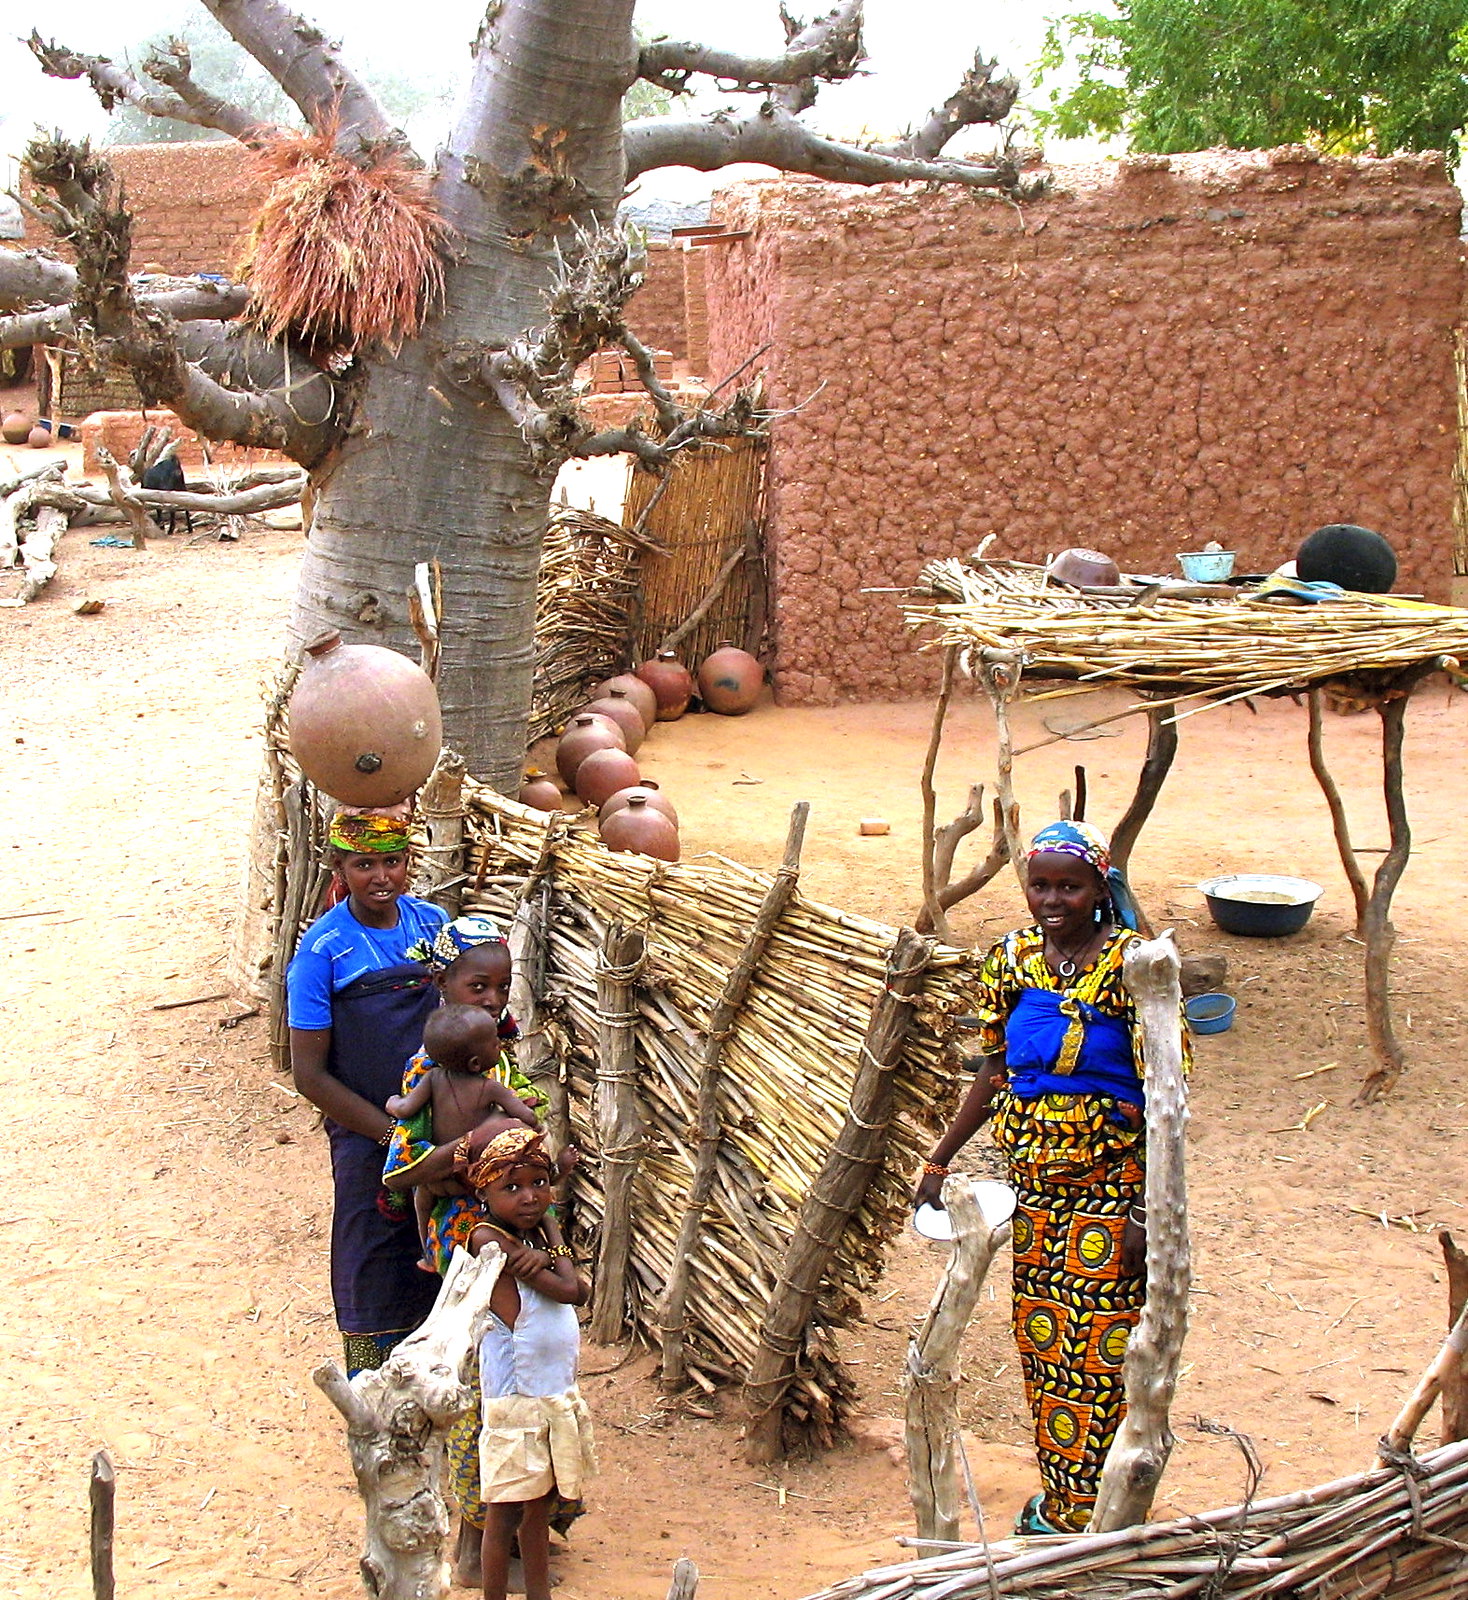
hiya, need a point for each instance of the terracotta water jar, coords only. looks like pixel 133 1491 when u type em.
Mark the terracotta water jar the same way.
pixel 364 722
pixel 539 790
pixel 646 790
pixel 603 773
pixel 585 733
pixel 39 438
pixel 638 692
pixel 730 681
pixel 642 831
pixel 15 427
pixel 670 681
pixel 619 706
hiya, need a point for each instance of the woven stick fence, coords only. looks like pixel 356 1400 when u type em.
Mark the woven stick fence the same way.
pixel 706 514
pixel 1398 1531
pixel 787 1069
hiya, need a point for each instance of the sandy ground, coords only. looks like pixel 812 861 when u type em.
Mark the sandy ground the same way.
pixel 166 1223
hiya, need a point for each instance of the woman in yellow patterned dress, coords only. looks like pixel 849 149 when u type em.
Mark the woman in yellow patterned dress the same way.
pixel 1061 1074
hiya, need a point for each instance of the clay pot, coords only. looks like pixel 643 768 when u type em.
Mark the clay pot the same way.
pixel 619 708
pixel 670 681
pixel 640 830
pixel 646 790
pixel 540 791
pixel 364 722
pixel 603 773
pixel 586 733
pixel 1085 568
pixel 39 438
pixel 730 681
pixel 639 693
pixel 15 427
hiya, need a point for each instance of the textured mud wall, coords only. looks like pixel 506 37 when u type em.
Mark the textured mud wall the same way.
pixel 656 312
pixel 1223 346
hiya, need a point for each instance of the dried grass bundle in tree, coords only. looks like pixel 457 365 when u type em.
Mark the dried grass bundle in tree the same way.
pixel 341 256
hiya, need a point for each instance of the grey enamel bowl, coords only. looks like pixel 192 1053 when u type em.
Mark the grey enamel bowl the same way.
pixel 1260 905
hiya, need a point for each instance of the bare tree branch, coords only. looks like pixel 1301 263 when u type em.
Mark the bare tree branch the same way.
pixel 35 327
pixel 774 138
pixel 311 71
pixel 830 50
pixel 188 103
pixel 184 302
pixel 980 97
pixel 802 38
pixel 31 276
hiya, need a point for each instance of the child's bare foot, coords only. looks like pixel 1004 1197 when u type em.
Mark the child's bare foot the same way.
pixel 425 1265
pixel 468 1558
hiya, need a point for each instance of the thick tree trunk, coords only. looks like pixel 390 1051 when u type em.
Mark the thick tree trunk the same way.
pixel 433 469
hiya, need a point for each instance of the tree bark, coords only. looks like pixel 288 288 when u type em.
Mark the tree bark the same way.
pixel 1161 752
pixel 441 806
pixel 930 1380
pixel 1360 894
pixel 1138 1454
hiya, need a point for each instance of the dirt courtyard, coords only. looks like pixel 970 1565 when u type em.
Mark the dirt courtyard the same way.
pixel 166 1204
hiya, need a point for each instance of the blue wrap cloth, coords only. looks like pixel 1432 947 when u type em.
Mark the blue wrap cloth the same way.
pixel 1056 1044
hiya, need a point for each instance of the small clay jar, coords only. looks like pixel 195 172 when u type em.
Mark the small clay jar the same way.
pixel 585 734
pixel 730 681
pixel 670 681
pixel 648 790
pixel 15 427
pixel 619 707
pixel 539 790
pixel 639 693
pixel 39 438
pixel 602 773
pixel 637 829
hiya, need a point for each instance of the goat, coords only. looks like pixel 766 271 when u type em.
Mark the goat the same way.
pixel 168 475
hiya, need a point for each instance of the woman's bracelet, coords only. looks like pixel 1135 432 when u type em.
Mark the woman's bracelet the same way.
pixel 558 1250
pixel 934 1169
pixel 1137 1214
pixel 386 1138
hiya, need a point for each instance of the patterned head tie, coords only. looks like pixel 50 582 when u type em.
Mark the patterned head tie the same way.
pixel 463 933
pixel 1073 839
pixel 377 833
pixel 516 1147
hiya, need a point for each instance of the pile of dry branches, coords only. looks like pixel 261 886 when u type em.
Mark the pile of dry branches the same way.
pixel 585 610
pixel 788 1068
pixel 1397 1531
pixel 1229 647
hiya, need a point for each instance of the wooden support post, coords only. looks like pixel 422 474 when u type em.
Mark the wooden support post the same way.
pixel 1000 672
pixel 672 1311
pixel 1447 1361
pixel 1138 1454
pixel 834 1197
pixel 619 1124
pixel 1338 822
pixel 1455 1381
pixel 529 937
pixel 398 1420
pixel 440 866
pixel 1161 752
pixel 104 1523
pixel 932 907
pixel 930 1380
pixel 124 497
pixel 1376 925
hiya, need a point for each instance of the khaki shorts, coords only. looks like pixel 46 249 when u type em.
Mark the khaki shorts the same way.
pixel 531 1444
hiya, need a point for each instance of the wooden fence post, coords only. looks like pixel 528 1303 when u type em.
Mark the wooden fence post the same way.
pixel 834 1197
pixel 619 1124
pixel 104 1515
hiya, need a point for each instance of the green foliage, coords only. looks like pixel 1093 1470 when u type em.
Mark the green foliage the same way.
pixel 1344 75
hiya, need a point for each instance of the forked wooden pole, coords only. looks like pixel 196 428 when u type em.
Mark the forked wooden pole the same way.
pixel 1161 752
pixel 671 1313
pixel 1138 1454
pixel 930 1380
pixel 1376 925
pixel 932 907
pixel 1455 1380
pixel 1449 1359
pixel 1340 826
pixel 1000 673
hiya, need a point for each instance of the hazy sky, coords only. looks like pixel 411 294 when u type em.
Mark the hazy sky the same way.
pixel 917 48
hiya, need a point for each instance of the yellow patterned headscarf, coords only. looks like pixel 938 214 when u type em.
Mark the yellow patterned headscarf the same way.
pixel 368 833
pixel 516 1147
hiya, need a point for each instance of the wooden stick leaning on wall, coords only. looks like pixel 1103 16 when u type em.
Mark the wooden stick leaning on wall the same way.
pixel 440 865
pixel 1143 1442
pixel 930 1380
pixel 932 906
pixel 1000 673
pixel 104 1522
pixel 1398 1438
pixel 1338 822
pixel 304 879
pixel 619 1123
pixel 834 1197
pixel 1455 1380
pixel 710 1135
pixel 705 605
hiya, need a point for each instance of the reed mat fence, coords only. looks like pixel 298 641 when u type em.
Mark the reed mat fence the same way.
pixel 1227 648
pixel 788 1067
pixel 706 513
pixel 1398 1531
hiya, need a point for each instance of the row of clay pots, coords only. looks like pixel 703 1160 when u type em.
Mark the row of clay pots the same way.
pixel 18 428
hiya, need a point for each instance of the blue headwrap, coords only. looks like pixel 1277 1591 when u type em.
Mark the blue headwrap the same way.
pixel 1089 844
pixel 462 934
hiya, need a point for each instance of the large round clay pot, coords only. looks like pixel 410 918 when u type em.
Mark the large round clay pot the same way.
pixel 364 722
pixel 540 791
pixel 39 438
pixel 641 830
pixel 602 773
pixel 586 733
pixel 15 427
pixel 619 707
pixel 646 790
pixel 638 692
pixel 730 681
pixel 1356 558
pixel 670 681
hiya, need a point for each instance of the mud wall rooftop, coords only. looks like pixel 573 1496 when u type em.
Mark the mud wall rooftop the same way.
pixel 1160 352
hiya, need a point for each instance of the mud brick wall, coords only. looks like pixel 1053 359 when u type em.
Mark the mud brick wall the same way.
pixel 1230 346
pixel 655 312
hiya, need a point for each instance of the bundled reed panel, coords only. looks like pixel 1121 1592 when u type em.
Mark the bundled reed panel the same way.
pixel 788 1067
pixel 709 510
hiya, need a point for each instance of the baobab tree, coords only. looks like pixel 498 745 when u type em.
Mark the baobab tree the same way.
pixel 439 441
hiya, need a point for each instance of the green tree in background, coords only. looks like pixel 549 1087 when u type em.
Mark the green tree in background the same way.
pixel 1343 75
